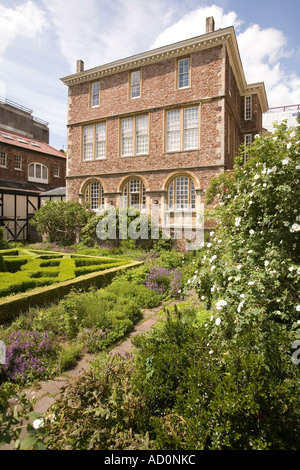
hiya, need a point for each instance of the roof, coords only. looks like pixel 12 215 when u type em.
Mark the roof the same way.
pixel 221 36
pixel 55 192
pixel 17 140
pixel 11 185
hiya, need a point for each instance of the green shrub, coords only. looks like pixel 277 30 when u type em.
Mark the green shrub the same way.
pixel 14 264
pixel 106 412
pixel 67 269
pixel 60 220
pixel 14 283
pixel 51 262
pixel 2 264
pixel 3 243
pixel 115 315
pixel 144 297
pixel 99 267
pixel 92 261
pixel 69 356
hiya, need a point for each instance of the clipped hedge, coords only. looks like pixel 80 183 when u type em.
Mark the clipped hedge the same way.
pixel 10 308
pixel 14 264
pixel 34 269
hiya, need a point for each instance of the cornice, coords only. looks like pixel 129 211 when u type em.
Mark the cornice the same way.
pixel 224 36
pixel 155 55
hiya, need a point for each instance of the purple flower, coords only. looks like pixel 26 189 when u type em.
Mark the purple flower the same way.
pixel 164 281
pixel 26 355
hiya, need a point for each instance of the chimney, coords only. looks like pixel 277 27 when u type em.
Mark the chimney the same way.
pixel 210 24
pixel 79 66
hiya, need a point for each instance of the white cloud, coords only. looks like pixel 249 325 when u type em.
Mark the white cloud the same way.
pixel 194 24
pixel 99 31
pixel 26 20
pixel 262 51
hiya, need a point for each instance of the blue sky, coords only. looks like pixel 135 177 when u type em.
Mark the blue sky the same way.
pixel 40 41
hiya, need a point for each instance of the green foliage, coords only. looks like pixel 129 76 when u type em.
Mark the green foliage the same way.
pixel 111 313
pixel 182 390
pixel 69 356
pixel 38 269
pixel 13 418
pixel 2 265
pixel 60 220
pixel 126 226
pixel 111 410
pixel 252 260
pixel 3 243
pixel 223 379
pixel 143 296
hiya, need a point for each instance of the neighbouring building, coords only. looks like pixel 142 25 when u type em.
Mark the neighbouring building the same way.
pixel 15 117
pixel 279 114
pixel 154 128
pixel 28 168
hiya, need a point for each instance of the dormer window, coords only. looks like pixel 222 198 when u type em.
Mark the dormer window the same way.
pixel 38 173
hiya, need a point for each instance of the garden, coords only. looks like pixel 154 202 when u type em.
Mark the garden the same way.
pixel 222 374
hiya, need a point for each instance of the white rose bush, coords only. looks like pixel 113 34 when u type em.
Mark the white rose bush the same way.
pixel 252 298
pixel 254 250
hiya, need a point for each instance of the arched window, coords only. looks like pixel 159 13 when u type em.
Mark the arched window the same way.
pixel 94 194
pixel 134 194
pixel 182 194
pixel 37 173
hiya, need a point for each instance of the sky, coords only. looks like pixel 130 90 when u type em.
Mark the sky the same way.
pixel 41 40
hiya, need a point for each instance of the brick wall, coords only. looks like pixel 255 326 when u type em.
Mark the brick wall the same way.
pixel 221 127
pixel 28 157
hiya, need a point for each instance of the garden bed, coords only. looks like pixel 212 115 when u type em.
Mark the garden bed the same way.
pixel 31 277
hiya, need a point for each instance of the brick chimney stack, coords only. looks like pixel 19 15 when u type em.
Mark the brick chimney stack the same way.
pixel 210 24
pixel 79 66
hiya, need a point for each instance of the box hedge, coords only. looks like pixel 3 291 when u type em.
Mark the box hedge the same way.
pixel 36 284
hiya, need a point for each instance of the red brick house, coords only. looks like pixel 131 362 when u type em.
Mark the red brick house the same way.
pixel 154 128
pixel 28 167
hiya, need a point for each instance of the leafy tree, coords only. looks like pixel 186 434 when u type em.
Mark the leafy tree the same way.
pixel 61 221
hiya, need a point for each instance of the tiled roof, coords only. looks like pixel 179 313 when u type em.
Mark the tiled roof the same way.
pixel 17 140
pixel 55 192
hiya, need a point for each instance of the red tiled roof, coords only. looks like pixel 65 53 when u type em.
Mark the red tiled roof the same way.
pixel 17 140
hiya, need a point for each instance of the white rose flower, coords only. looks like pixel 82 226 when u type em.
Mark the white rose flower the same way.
pixel 220 304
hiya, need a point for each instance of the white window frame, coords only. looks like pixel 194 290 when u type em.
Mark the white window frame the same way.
pixel 181 194
pixel 248 107
pixel 180 130
pixel 183 76
pixel 3 159
pixel 100 141
pixel 92 195
pixel 135 84
pixel 134 140
pixel 95 94
pixel 18 162
pixel 134 187
pixel 56 170
pixel 36 168
pixel 91 142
